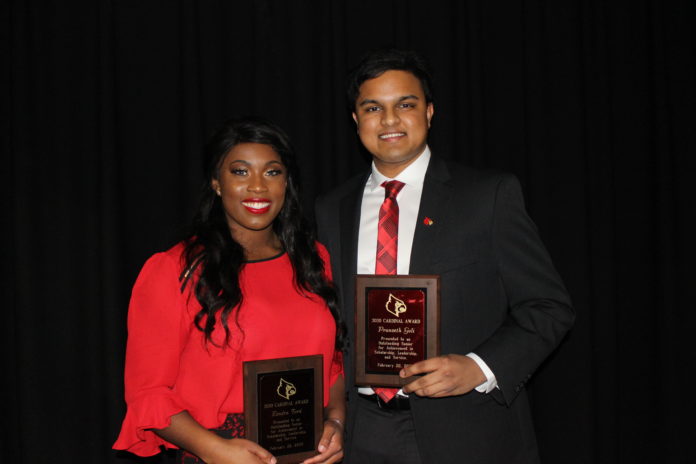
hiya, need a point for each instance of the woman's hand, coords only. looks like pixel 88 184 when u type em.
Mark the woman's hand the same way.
pixel 239 451
pixel 330 445
pixel 188 434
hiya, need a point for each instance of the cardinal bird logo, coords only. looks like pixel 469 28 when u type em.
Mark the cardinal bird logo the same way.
pixel 395 305
pixel 286 389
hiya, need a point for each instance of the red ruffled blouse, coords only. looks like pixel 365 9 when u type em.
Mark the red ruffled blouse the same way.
pixel 169 368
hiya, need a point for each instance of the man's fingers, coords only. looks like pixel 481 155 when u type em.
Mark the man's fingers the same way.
pixel 421 383
pixel 446 376
pixel 421 367
pixel 437 390
pixel 431 385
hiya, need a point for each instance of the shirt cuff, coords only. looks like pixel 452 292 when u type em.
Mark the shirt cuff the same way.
pixel 491 383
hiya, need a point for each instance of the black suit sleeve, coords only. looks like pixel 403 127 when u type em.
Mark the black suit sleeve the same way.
pixel 540 311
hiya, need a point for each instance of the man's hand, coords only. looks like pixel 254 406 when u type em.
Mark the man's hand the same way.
pixel 448 375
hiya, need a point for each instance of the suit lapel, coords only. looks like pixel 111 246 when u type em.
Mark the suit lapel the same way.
pixel 434 205
pixel 432 215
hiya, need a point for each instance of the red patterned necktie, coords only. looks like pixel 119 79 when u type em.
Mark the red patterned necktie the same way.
pixel 387 247
pixel 388 229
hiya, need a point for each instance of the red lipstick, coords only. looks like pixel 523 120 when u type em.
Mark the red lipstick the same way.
pixel 257 205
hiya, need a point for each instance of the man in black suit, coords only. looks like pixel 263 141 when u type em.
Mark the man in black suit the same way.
pixel 503 306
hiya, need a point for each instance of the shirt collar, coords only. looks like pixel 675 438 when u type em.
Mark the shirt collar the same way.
pixel 413 175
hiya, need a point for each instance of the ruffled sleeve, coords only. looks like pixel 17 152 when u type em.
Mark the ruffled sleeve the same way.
pixel 158 328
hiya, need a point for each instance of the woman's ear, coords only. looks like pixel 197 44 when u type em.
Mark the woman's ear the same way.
pixel 215 185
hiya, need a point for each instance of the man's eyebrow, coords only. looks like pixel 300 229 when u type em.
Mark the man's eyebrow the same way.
pixel 409 97
pixel 369 101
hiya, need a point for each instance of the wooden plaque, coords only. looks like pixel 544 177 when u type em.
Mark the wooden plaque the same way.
pixel 283 405
pixel 397 322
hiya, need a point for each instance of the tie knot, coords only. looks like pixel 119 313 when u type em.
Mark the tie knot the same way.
pixel 392 188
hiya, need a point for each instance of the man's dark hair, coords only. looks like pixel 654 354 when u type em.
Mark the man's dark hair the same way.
pixel 377 62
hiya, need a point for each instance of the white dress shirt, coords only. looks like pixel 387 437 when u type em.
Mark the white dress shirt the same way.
pixel 408 200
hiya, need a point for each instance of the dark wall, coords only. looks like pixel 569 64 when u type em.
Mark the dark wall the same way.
pixel 591 103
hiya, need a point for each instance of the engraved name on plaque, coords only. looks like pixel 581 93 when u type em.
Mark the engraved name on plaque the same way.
pixel 397 323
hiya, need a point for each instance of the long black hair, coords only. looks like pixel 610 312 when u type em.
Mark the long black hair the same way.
pixel 215 258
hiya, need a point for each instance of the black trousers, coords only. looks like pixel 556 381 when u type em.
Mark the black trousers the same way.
pixel 382 436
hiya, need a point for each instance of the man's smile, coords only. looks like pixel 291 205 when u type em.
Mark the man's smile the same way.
pixel 392 135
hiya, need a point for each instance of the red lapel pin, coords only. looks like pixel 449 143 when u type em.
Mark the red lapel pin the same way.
pixel 427 221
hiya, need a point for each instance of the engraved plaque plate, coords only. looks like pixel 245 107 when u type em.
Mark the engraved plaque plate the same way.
pixel 397 323
pixel 283 405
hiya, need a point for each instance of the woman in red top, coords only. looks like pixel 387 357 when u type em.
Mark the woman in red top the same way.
pixel 251 283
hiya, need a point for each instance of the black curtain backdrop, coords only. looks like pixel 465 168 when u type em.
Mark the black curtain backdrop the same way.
pixel 591 103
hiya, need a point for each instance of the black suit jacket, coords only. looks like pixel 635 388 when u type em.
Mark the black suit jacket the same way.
pixel 500 298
